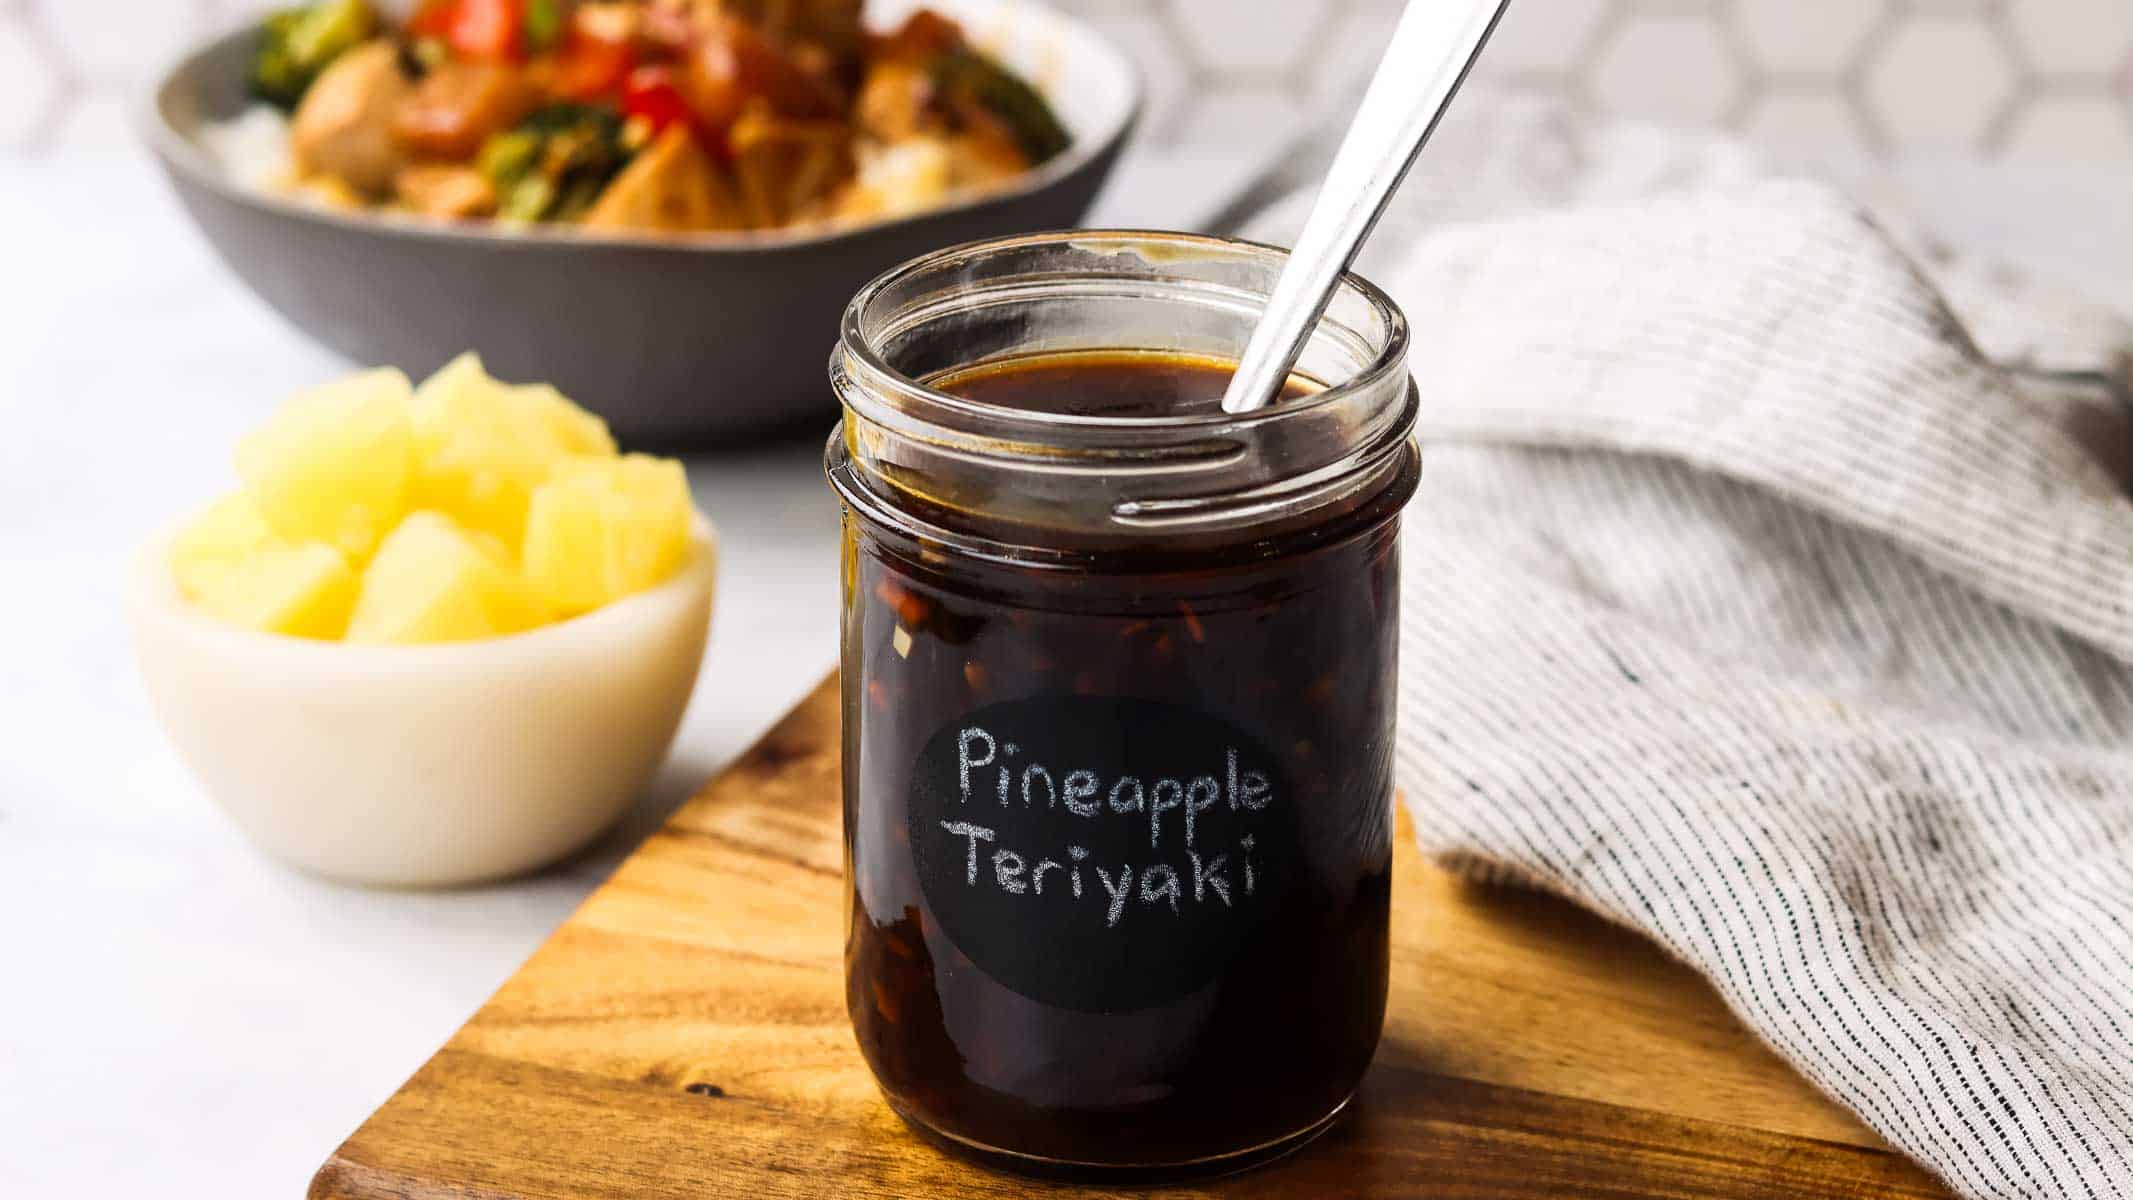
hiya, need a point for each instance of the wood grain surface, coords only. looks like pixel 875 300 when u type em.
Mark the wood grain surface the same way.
pixel 684 1034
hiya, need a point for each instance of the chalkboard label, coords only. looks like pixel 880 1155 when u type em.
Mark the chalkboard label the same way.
pixel 1100 854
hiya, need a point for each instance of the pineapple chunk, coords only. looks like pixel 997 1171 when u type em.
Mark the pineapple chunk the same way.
pixel 436 490
pixel 334 464
pixel 482 447
pixel 433 581
pixel 575 430
pixel 602 529
pixel 304 590
pixel 224 535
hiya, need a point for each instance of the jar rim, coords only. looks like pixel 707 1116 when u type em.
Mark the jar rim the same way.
pixel 859 357
pixel 1040 480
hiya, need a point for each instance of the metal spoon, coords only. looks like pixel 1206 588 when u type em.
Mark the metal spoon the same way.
pixel 1431 50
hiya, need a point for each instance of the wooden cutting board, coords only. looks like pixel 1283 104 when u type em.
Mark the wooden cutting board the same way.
pixel 684 1035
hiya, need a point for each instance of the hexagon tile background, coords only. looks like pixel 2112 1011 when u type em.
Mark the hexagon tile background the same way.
pixel 1843 82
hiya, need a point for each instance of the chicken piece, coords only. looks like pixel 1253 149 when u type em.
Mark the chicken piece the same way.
pixel 326 191
pixel 834 25
pixel 924 36
pixel 672 186
pixel 896 100
pixel 459 104
pixel 731 68
pixel 445 191
pixel 616 21
pixel 896 178
pixel 788 169
pixel 985 150
pixel 344 127
pixel 917 174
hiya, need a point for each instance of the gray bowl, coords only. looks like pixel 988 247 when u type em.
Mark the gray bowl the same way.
pixel 694 339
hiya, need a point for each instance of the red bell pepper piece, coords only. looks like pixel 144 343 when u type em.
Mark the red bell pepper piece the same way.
pixel 474 28
pixel 488 28
pixel 653 95
pixel 433 19
pixel 590 66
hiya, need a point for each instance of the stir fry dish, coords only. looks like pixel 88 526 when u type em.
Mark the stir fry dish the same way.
pixel 646 115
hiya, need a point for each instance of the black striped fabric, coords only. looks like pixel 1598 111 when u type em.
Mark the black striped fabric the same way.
pixel 1748 604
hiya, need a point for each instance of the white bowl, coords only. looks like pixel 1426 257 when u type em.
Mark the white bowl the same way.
pixel 424 766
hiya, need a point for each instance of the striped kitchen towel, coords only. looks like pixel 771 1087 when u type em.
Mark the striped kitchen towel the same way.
pixel 1749 603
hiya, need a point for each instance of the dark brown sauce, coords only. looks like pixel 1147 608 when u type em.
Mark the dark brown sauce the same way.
pixel 1292 651
pixel 1105 383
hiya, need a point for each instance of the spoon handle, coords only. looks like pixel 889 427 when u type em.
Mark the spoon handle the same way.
pixel 1434 44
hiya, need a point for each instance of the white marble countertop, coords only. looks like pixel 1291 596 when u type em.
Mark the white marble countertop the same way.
pixel 179 1015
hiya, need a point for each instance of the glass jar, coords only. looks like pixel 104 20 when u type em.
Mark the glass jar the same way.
pixel 1118 699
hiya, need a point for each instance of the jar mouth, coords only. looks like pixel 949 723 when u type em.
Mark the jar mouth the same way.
pixel 1045 477
pixel 863 330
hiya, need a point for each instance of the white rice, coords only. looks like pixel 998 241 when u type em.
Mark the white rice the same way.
pixel 253 147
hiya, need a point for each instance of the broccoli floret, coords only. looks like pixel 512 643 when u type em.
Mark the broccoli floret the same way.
pixel 297 44
pixel 554 164
pixel 544 24
pixel 1004 94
